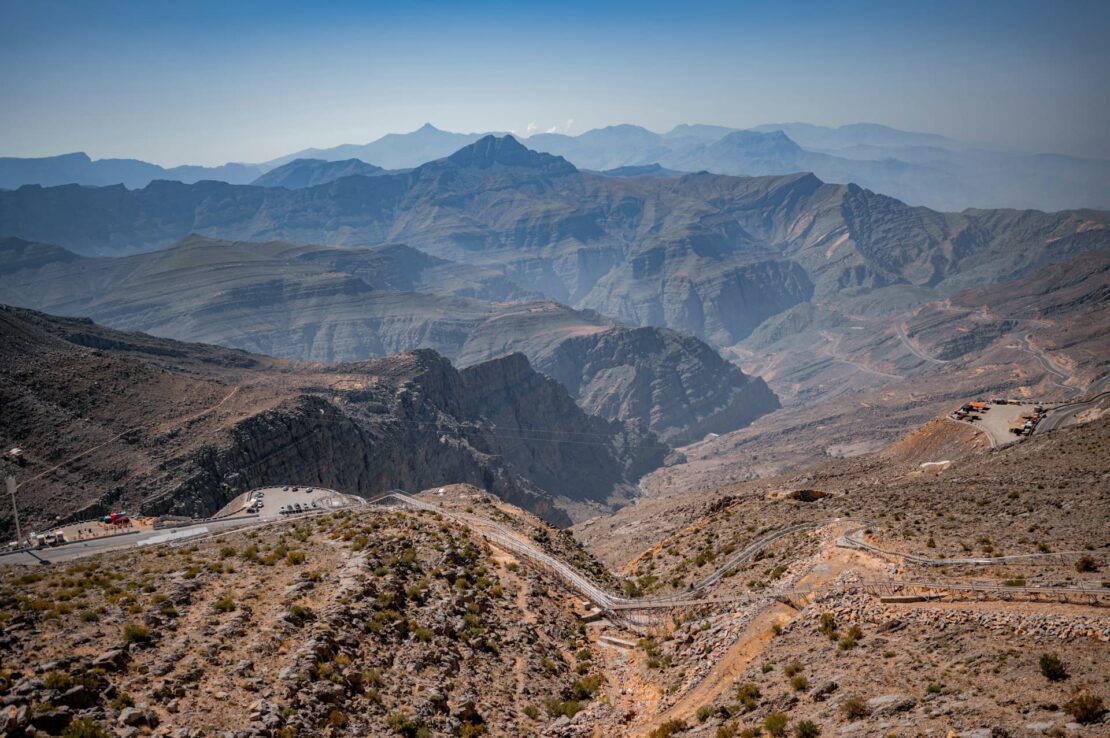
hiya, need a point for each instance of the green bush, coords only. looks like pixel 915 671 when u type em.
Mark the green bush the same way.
pixel 224 604
pixel 667 729
pixel 806 729
pixel 704 713
pixel 57 680
pixel 794 667
pixel 122 700
pixel 775 723
pixel 401 724
pixel 586 687
pixel 799 682
pixel 854 708
pixel 749 695
pixel 137 634
pixel 1052 667
pixel 85 728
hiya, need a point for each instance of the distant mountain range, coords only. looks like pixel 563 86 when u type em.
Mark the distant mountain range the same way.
pixel 78 168
pixel 710 255
pixel 918 168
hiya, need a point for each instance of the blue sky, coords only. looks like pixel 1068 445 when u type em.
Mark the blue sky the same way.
pixel 207 82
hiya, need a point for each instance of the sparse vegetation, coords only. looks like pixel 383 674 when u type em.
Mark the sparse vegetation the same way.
pixel 775 723
pixel 806 729
pixel 137 634
pixel 1085 706
pixel 854 708
pixel 1086 564
pixel 668 729
pixel 1052 667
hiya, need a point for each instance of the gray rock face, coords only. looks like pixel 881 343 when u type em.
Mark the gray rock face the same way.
pixel 681 385
pixel 889 704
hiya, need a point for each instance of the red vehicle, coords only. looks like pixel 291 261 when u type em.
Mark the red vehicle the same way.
pixel 117 518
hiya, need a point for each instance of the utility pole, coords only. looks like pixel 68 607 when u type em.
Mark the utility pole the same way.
pixel 15 510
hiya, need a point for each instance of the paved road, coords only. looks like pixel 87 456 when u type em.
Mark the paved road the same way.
pixel 1067 414
pixel 1049 366
pixel 900 329
pixel 80 549
pixel 275 497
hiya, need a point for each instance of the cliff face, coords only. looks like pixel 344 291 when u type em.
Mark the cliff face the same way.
pixel 542 432
pixel 681 385
pixel 184 428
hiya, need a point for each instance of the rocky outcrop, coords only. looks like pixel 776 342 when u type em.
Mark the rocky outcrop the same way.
pixel 544 434
pixel 682 386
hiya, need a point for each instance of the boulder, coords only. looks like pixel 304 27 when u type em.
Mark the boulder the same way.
pixel 888 704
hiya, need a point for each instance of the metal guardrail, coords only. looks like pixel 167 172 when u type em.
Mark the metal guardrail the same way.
pixel 607 600
pixel 1088 595
pixel 853 540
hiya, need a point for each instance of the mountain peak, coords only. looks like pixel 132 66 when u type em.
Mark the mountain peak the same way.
pixel 427 128
pixel 509 152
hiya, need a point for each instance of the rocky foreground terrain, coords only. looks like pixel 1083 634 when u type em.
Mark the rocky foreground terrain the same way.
pixel 370 624
pixel 400 622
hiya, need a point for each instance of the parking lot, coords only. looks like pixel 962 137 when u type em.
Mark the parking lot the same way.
pixel 277 502
pixel 996 420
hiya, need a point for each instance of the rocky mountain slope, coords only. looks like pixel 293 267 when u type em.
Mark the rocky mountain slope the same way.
pixel 333 304
pixel 681 385
pixel 108 418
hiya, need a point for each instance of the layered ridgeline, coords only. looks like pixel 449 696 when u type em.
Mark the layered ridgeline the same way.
pixel 183 428
pixel 919 168
pixel 320 303
pixel 79 168
pixel 711 255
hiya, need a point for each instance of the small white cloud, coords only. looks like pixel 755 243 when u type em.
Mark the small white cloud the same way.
pixel 532 128
pixel 567 127
pixel 553 129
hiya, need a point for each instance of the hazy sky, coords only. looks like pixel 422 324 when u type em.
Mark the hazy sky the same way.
pixel 207 82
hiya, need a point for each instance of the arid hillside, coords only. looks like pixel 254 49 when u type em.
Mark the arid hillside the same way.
pixel 108 419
